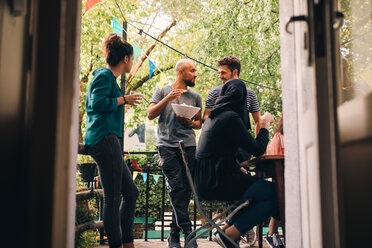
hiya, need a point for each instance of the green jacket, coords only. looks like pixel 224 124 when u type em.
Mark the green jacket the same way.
pixel 103 113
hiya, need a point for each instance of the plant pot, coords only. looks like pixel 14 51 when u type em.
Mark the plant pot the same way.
pixel 88 171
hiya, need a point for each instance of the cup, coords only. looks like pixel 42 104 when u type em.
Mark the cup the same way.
pixel 138 96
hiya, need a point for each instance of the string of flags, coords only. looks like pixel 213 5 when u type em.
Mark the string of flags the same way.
pixel 90 4
pixel 118 29
pixel 145 176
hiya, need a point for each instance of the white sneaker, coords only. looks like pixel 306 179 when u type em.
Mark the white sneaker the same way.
pixel 243 243
pixel 251 237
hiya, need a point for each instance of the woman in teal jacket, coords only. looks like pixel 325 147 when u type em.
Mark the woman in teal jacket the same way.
pixel 104 107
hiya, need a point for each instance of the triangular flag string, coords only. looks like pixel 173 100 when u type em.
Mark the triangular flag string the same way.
pixel 136 50
pixel 151 68
pixel 134 57
pixel 116 27
pixel 144 177
pixel 135 173
pixel 90 3
pixel 156 178
pixel 163 79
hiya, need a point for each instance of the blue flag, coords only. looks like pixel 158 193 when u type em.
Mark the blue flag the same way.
pixel 151 68
pixel 144 176
pixel 116 27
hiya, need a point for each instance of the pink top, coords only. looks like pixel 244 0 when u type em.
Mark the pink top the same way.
pixel 276 146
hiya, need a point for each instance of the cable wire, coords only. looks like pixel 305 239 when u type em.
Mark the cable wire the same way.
pixel 183 54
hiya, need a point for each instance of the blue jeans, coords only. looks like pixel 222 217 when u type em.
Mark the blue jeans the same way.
pixel 263 204
pixel 117 182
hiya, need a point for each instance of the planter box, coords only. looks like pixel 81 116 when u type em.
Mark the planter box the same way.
pixel 88 171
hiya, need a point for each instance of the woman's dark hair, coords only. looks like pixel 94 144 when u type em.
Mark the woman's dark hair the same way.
pixel 233 97
pixel 115 49
pixel 279 127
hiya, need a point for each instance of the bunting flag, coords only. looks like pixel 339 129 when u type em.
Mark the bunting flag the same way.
pixel 90 4
pixel 135 165
pixel 136 50
pixel 166 182
pixel 156 178
pixel 144 176
pixel 163 78
pixel 116 27
pixel 135 173
pixel 151 68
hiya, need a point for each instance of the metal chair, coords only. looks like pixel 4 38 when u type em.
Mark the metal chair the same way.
pixel 210 222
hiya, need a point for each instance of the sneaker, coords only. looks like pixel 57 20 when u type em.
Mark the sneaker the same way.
pixel 222 241
pixel 173 240
pixel 274 241
pixel 243 243
pixel 251 237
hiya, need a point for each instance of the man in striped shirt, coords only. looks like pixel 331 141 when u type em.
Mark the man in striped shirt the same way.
pixel 229 68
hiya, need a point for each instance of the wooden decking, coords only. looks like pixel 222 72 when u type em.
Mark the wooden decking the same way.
pixel 154 243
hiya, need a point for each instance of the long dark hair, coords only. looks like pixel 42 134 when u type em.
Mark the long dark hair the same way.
pixel 115 49
pixel 279 127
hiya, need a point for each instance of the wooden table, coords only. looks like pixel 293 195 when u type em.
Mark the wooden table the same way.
pixel 271 166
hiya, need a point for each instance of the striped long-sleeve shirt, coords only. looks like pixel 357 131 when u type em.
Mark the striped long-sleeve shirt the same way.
pixel 252 103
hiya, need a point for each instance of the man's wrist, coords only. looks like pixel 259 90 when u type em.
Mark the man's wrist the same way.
pixel 125 101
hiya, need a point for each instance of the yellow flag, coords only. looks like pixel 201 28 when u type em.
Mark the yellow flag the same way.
pixel 135 173
pixel 163 78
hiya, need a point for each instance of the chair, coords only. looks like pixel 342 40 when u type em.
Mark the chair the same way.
pixel 211 222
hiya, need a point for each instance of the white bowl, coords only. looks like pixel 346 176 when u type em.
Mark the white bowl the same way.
pixel 185 110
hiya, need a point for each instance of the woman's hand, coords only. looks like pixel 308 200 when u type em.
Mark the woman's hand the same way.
pixel 134 99
pixel 266 120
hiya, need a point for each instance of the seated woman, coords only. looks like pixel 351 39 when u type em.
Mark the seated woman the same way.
pixel 275 147
pixel 217 174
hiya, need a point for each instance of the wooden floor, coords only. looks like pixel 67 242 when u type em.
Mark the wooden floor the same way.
pixel 153 243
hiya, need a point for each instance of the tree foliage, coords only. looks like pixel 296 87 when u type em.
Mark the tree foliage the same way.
pixel 206 30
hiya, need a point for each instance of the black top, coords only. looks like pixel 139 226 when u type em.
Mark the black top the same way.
pixel 216 172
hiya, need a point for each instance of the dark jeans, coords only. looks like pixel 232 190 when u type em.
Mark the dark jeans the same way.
pixel 263 204
pixel 117 182
pixel 179 189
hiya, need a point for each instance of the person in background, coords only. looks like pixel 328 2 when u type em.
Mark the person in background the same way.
pixel 229 68
pixel 171 130
pixel 217 174
pixel 104 108
pixel 275 147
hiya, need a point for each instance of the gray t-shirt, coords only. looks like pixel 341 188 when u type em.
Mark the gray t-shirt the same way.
pixel 170 130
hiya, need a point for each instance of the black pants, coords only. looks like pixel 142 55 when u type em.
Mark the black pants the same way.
pixel 179 190
pixel 117 182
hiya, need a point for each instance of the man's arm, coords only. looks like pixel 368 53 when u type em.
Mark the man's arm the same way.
pixel 207 111
pixel 257 122
pixel 156 109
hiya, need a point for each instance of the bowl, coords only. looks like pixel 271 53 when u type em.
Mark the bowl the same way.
pixel 184 110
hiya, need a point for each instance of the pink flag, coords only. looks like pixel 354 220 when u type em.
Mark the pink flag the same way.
pixel 90 4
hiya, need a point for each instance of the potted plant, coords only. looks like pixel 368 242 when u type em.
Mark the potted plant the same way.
pixel 87 168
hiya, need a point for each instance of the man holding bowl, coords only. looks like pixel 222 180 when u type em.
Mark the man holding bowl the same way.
pixel 173 128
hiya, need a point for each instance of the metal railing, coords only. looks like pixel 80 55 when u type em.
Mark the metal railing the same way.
pixel 148 168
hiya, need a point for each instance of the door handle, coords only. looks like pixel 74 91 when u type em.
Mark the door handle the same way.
pixel 300 18
pixel 339 20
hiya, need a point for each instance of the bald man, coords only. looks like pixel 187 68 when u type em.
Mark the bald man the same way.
pixel 171 129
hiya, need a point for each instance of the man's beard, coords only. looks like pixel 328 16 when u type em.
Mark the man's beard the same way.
pixel 189 83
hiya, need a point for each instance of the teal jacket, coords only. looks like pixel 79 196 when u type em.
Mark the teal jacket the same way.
pixel 103 113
